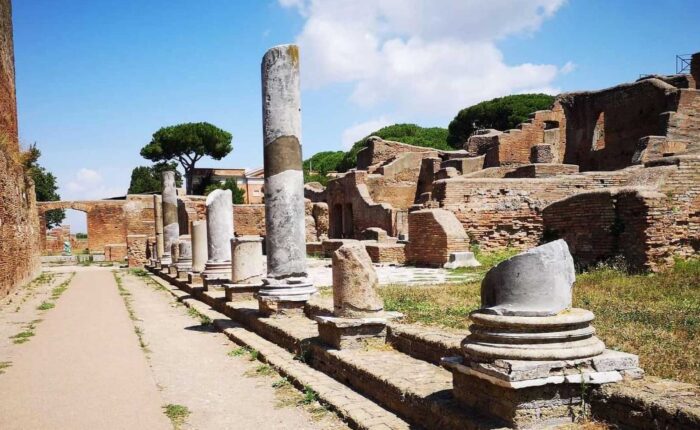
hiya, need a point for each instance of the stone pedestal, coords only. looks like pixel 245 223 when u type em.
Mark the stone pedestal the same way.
pixel 287 286
pixel 219 234
pixel 358 311
pixel 461 259
pixel 198 232
pixel 247 270
pixel 171 227
pixel 184 261
pixel 529 356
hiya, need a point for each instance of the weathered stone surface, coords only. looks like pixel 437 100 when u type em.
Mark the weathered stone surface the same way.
pixel 158 215
pixel 171 227
pixel 461 259
pixel 537 282
pixel 354 283
pixel 219 234
pixel 247 260
pixel 198 231
pixel 284 183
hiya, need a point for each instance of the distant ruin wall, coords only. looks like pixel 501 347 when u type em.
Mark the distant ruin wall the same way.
pixel 604 127
pixel 647 226
pixel 432 235
pixel 19 221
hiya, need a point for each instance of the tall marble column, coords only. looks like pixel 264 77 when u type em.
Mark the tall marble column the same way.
pixel 158 215
pixel 198 231
pixel 287 285
pixel 171 227
pixel 219 235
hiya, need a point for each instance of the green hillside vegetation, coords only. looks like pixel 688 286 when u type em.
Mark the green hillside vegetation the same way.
pixel 502 113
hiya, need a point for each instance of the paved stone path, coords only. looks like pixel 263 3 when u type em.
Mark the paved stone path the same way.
pixel 83 369
pixel 191 363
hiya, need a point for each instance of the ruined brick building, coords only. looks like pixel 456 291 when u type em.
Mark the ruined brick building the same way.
pixel 614 172
pixel 19 234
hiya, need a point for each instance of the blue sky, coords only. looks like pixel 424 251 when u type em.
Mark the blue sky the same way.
pixel 95 78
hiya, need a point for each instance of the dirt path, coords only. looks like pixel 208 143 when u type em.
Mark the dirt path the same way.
pixel 193 367
pixel 83 369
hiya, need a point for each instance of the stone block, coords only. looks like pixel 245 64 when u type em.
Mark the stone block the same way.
pixel 461 259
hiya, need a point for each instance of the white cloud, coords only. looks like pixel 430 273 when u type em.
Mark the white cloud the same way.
pixel 89 184
pixel 567 68
pixel 421 56
pixel 357 131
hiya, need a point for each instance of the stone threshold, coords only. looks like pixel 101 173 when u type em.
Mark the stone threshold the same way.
pixel 355 409
pixel 415 390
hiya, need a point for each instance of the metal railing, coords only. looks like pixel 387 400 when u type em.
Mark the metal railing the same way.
pixel 683 63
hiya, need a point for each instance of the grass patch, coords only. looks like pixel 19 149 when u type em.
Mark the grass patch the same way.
pixel 45 306
pixel 203 319
pixel 4 365
pixel 126 297
pixel 177 414
pixel 22 336
pixel 139 272
pixel 238 352
pixel 654 315
pixel 265 370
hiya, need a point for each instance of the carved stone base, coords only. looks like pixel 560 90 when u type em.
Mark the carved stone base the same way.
pixel 351 333
pixel 271 307
pixel 283 297
pixel 194 278
pixel 238 292
pixel 527 394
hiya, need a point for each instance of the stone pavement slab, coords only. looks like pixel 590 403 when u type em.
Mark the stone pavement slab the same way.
pixel 83 369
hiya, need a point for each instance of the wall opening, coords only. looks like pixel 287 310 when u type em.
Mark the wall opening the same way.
pixel 68 235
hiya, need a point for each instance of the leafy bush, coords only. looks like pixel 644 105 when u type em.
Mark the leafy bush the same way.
pixel 502 113
pixel 229 184
pixel 147 179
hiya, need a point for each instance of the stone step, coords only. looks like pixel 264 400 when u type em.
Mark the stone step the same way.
pixel 352 407
pixel 415 390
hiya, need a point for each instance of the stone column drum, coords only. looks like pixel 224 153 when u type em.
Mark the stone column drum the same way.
pixel 358 311
pixel 158 215
pixel 219 235
pixel 247 260
pixel 198 231
pixel 287 285
pixel 184 256
pixel 171 227
pixel 529 352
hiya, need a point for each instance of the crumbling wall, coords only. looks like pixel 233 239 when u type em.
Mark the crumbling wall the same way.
pixel 249 220
pixel 432 235
pixel 351 207
pixel 648 224
pixel 379 151
pixel 19 222
pixel 604 127
pixel 501 213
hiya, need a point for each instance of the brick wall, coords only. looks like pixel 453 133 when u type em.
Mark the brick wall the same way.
pixel 432 235
pixel 621 115
pixel 649 224
pixel 137 254
pixel 249 220
pixel 19 221
pixel 500 213
pixel 8 103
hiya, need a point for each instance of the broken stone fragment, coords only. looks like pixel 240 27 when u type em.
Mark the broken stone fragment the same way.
pixel 355 283
pixel 537 282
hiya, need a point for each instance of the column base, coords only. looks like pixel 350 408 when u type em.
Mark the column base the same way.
pixel 528 393
pixel 353 333
pixel 285 296
pixel 194 278
pixel 240 292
